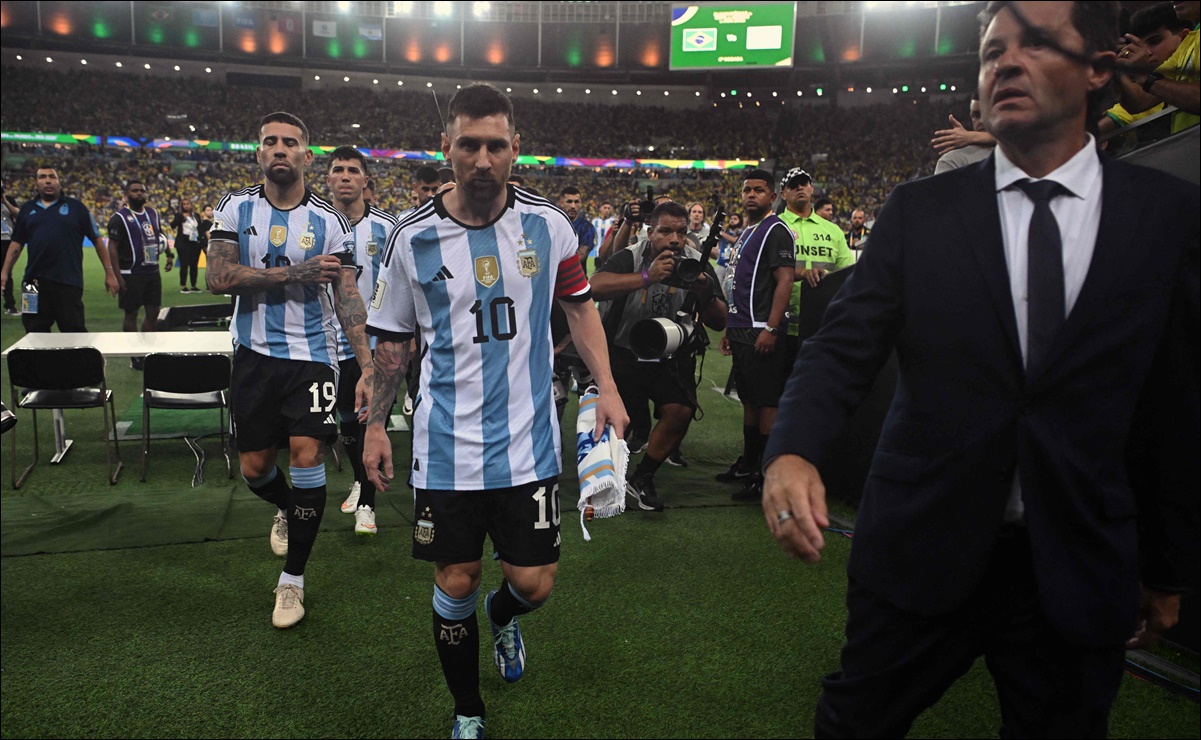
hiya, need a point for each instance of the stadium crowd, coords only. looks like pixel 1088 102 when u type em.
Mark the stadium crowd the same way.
pixel 855 155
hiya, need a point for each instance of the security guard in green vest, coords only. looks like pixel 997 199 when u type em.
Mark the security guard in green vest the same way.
pixel 820 245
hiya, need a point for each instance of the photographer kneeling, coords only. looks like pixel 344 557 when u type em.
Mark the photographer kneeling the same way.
pixel 650 298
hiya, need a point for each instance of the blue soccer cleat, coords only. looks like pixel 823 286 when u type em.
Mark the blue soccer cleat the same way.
pixel 510 651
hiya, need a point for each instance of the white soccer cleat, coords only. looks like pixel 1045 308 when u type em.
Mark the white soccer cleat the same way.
pixel 289 606
pixel 351 504
pixel 279 535
pixel 364 521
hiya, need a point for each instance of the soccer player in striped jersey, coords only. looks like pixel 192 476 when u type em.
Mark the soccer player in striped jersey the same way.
pixel 425 185
pixel 347 180
pixel 288 257
pixel 475 272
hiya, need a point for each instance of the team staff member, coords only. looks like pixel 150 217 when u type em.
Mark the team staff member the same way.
pixel 476 271
pixel 347 181
pixel 1033 497
pixel 758 286
pixel 631 288
pixel 54 227
pixel 135 237
pixel 857 236
pixel 187 243
pixel 280 249
pixel 572 204
pixel 820 246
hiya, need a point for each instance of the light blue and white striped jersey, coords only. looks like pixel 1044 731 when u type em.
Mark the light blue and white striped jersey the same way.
pixel 370 235
pixel 293 321
pixel 481 297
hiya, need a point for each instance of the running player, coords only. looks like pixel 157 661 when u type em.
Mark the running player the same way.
pixel 288 257
pixel 475 272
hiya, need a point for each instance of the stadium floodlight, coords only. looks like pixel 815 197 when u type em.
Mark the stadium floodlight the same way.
pixel 208 70
pixel 587 91
pixel 799 93
pixel 748 94
pixel 481 9
pixel 19 59
pixel 83 61
pixel 923 89
pixel 355 125
pixel 650 148
pixel 869 89
pixel 191 128
pixel 343 6
pixel 698 93
pixel 819 92
pixel 614 92
pixel 666 93
pixel 443 9
pixel 458 87
pixel 118 63
pixel 952 88
pixel 775 94
pixel 147 65
pixel 894 91
pixel 639 92
pixel 399 83
pixel 429 84
pixel 723 95
pixel 49 60
pixel 375 82
pixel 558 89
pixel 177 68
pixel 508 89
pixel 535 91
pixel 346 79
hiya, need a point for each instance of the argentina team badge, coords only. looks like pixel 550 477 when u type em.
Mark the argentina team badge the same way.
pixel 372 248
pixel 527 259
pixel 308 240
pixel 487 271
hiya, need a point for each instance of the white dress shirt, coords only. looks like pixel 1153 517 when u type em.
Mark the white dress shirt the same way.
pixel 1078 214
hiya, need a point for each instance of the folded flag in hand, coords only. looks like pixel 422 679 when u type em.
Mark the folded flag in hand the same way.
pixel 601 465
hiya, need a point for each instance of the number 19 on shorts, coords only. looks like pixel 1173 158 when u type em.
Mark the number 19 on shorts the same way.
pixel 326 391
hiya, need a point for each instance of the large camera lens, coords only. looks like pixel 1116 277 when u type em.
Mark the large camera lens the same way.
pixel 687 269
pixel 653 339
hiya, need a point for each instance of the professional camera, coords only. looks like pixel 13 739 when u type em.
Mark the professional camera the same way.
pixel 645 206
pixel 663 339
pixel 686 273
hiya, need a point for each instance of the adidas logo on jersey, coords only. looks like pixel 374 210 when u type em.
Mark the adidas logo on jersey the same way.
pixel 443 274
pixel 251 231
pixel 330 419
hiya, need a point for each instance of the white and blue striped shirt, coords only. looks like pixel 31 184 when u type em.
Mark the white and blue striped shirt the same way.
pixel 293 321
pixel 481 297
pixel 370 237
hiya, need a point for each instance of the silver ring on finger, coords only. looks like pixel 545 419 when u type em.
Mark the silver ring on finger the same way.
pixel 783 516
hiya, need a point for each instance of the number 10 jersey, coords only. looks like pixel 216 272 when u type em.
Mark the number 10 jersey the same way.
pixel 481 298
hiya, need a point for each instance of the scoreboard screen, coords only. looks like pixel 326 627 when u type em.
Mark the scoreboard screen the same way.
pixel 725 36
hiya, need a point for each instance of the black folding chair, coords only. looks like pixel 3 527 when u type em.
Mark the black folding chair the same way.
pixel 71 378
pixel 186 381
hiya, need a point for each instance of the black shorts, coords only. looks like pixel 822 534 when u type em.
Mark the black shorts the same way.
pixel 141 290
pixel 58 303
pixel 349 373
pixel 661 383
pixel 523 522
pixel 760 378
pixel 271 399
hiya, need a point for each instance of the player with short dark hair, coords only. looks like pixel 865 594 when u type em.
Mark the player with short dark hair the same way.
pixel 288 257
pixel 475 271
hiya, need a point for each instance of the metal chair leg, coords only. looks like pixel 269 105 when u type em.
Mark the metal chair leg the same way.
pixel 110 421
pixel 19 481
pixel 145 437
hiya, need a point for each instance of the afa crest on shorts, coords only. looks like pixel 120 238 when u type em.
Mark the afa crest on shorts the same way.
pixel 487 271
pixel 423 532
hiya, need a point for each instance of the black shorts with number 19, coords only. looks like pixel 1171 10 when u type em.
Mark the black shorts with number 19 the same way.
pixel 271 399
pixel 522 521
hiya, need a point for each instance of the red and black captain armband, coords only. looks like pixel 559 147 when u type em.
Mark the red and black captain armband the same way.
pixel 571 284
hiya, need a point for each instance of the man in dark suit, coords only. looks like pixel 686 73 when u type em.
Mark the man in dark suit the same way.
pixel 1038 462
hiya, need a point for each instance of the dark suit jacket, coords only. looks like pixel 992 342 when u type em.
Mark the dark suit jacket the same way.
pixel 1120 384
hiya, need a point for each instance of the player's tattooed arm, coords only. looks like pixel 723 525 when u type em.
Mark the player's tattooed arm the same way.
pixel 391 364
pixel 352 315
pixel 226 274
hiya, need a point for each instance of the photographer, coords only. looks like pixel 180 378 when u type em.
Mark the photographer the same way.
pixel 630 228
pixel 650 281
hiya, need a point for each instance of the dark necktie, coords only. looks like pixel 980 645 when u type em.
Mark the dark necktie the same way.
pixel 1045 303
